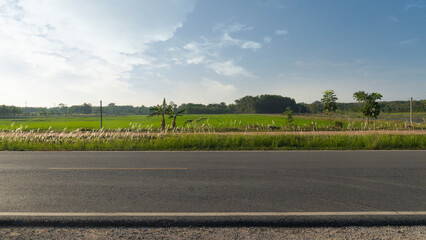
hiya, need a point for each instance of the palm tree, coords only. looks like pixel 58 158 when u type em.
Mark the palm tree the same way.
pixel 160 110
pixel 173 114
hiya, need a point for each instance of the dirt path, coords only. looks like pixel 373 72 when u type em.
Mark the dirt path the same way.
pixel 379 132
pixel 111 134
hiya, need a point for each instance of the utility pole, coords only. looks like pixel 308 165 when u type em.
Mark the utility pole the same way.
pixel 101 114
pixel 411 111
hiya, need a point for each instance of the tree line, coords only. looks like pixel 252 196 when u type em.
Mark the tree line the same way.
pixel 249 104
pixel 262 104
pixel 10 111
pixel 386 106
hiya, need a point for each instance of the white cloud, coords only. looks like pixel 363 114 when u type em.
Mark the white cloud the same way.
pixel 76 51
pixel 172 49
pixel 236 27
pixel 206 91
pixel 267 39
pixel 105 25
pixel 280 32
pixel 215 88
pixel 251 45
pixel 193 46
pixel 195 53
pixel 229 69
pixel 231 27
pixel 195 60
pixel 207 51
pixel 226 39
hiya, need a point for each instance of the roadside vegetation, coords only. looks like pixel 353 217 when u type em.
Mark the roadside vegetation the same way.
pixel 108 141
pixel 166 127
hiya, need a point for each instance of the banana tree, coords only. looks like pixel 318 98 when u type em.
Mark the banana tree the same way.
pixel 173 114
pixel 160 110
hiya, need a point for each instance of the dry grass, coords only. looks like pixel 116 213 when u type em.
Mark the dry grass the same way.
pixel 137 141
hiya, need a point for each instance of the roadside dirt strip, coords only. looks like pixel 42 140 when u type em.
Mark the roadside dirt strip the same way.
pixel 130 134
pixel 403 232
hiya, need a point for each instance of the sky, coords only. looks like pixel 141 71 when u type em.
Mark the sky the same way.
pixel 136 52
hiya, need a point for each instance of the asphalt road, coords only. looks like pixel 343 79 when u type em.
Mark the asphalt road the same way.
pixel 328 182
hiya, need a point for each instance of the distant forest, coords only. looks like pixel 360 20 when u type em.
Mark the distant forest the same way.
pixel 262 104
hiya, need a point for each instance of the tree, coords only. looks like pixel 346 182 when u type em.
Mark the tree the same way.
pixel 265 103
pixel 274 104
pixel 173 113
pixel 43 112
pixel 329 101
pixel 14 111
pixel 4 110
pixel 371 107
pixel 160 110
pixel 314 107
pixel 289 115
pixel 86 108
pixel 246 104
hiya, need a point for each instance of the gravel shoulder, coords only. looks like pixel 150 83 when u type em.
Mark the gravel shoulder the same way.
pixel 400 232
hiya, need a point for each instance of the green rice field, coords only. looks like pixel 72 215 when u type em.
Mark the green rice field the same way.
pixel 207 132
pixel 213 123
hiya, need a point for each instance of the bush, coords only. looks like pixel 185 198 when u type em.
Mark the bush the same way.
pixel 338 124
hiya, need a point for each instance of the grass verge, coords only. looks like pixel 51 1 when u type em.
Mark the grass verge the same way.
pixel 186 142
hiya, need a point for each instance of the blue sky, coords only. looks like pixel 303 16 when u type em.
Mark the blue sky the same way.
pixel 137 52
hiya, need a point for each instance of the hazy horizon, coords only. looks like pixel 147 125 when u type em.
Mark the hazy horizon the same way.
pixel 137 52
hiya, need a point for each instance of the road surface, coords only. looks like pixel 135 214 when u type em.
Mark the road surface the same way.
pixel 214 185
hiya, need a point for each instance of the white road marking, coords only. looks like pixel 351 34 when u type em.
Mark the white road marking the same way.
pixel 206 214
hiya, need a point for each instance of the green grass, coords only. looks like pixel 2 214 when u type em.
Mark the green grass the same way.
pixel 215 123
pixel 183 142
pixel 221 121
